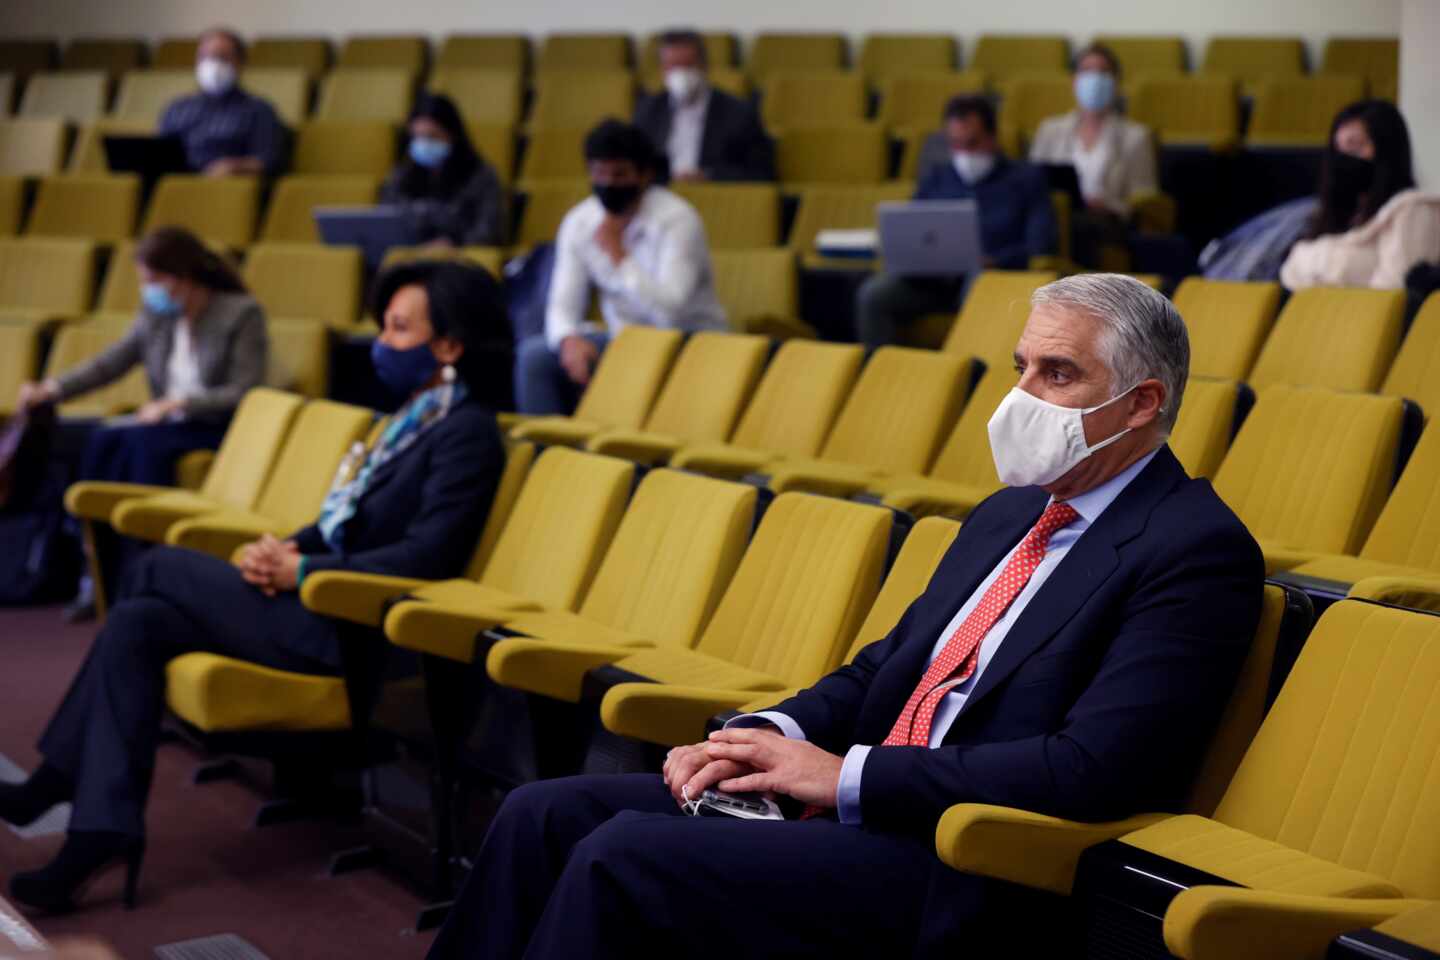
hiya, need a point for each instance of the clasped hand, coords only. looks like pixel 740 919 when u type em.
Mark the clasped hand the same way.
pixel 740 759
pixel 270 564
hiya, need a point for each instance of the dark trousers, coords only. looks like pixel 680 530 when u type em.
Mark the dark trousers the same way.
pixel 886 302
pixel 608 866
pixel 104 734
pixel 541 385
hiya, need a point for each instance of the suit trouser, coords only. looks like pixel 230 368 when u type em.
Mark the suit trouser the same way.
pixel 542 387
pixel 608 866
pixel 106 730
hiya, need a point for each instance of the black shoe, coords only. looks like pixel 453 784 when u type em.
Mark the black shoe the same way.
pixel 24 803
pixel 57 886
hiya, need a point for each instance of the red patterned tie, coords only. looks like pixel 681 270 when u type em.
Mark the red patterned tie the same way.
pixel 956 662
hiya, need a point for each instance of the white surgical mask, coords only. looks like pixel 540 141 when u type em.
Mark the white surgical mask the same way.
pixel 1035 442
pixel 215 75
pixel 972 167
pixel 683 83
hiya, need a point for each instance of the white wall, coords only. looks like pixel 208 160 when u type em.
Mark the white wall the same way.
pixel 1420 86
pixel 1197 21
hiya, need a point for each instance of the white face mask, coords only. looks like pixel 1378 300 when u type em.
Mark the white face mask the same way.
pixel 683 83
pixel 214 75
pixel 1035 442
pixel 972 167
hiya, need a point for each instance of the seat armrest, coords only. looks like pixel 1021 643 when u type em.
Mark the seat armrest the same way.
pixel 1030 849
pixel 556 431
pixel 551 669
pixel 921 503
pixel 192 468
pixel 509 421
pixel 1417 593
pixel 357 597
pixel 97 499
pixel 817 476
pixel 720 460
pixel 441 629
pixel 665 714
pixel 1211 923
pixel 650 448
pixel 220 535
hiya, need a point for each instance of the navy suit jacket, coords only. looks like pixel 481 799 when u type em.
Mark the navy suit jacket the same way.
pixel 733 145
pixel 1101 699
pixel 1017 219
pixel 424 510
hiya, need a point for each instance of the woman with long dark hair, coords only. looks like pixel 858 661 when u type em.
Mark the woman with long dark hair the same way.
pixel 1372 224
pixel 451 194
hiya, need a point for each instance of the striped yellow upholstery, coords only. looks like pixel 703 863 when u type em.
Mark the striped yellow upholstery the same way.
pixel 993 315
pixel 1227 323
pixel 774 52
pixel 307 280
pixel 584 51
pixel 854 154
pixel 736 215
pixel 367 93
pixel 1298 111
pixel 1415 375
pixel 222 210
pixel 32 147
pixel 912 104
pixel 1003 56
pixel 814 98
pixel 407 53
pixel 888 55
pixel 290 216
pixel 1194 111
pixel 1344 339
pixel 493 51
pixel 363 148
pixel 311 54
pixel 43 277
pixel 1202 433
pixel 101 208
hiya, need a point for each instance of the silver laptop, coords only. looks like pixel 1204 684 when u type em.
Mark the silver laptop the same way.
pixel 373 229
pixel 930 238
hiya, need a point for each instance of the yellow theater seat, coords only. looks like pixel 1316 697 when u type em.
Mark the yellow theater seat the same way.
pixel 222 210
pixel 1310 469
pixel 838 207
pixel 311 54
pixel 791 413
pixel 175 53
pixel 993 316
pixel 1029 101
pixel 670 715
pixel 712 379
pixel 885 56
pixel 813 98
pixel 77 97
pixel 579 99
pixel 584 51
pixel 1194 111
pixel 45 278
pixel 483 94
pixel 366 93
pixel 772 52
pixel 32 147
pixel 1004 57
pixel 307 280
pixel 1341 338
pixel 144 94
pixel 99 208
pixel 856 154
pixel 1207 420
pixel 621 391
pixel 912 103
pixel 1252 60
pixel 1298 111
pixel 1146 56
pixel 484 51
pixel 760 291
pixel 77 342
pixel 389 52
pixel 290 217
pixel 553 165
pixel 345 147
pixel 88 154
pixel 1376 59
pixel 1227 322
pixel 120 290
pixel 218 694
pixel 19 359
pixel 299 356
pixel 1415 374
pixel 286 88
pixel 736 215
pixel 496 145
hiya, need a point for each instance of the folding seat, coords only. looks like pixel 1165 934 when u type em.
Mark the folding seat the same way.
pixel 12 204
pixel 175 53
pixel 311 54
pixel 791 413
pixel 25 56
pixel 495 142
pixel 1201 435
pixel 760 291
pixel 299 356
pixel 1377 59
pixel 1298 111
pixel 1146 56
pixel 621 391
pixel 584 51
pixel 287 89
pixel 99 208
pixel 1344 339
pixel 670 714
pixel 78 342
pixel 736 215
pixel 310 281
pixel 1005 57
pixel 144 94
pixel 858 154
pixel 78 97
pixel 579 99
pixel 893 422
pixel 19 359
pixel 1029 101
pixel 795 51
pixel 345 147
pixel 912 104
pixel 1253 59
pixel 501 52
pixel 366 93
pixel 113 55
pixel 220 210
pixel 1415 374
pixel 709 385
pixel 797 99
pixel 88 154
pixel 408 53
pixel 993 316
pixel 290 216
pixel 553 155
pixel 30 147
pixel 45 278
pixel 1227 322
pixel 1310 470
pixel 837 208
pixel 1202 111
pixel 1322 829
pixel 490 95
pixel 546 203
pixel 887 56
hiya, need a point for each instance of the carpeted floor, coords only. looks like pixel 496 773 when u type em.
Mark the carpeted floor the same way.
pixel 206 870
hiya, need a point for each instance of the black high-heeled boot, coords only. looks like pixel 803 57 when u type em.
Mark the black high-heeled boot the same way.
pixel 57 886
pixel 24 803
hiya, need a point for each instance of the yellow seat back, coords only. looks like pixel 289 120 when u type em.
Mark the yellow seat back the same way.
pixel 88 154
pixel 101 208
pixel 31 147
pixel 220 210
pixel 308 281
pixel 1146 56
pixel 903 405
pixel 546 205
pixel 345 147
pixel 19 359
pixel 839 208
pixel 1188 111
pixel 813 98
pixel 45 274
pixel 113 55
pixel 736 215
pixel 367 93
pixel 483 94
pixel 1298 111
pixel 552 158
pixel 77 97
pixel 628 377
pixel 1006 56
pixel 387 52
pixel 519 458
pixel 584 51
pixel 912 102
pixel 77 342
pixel 994 313
pixel 495 143
pixel 311 54
pixel 1377 59
pixel 484 51
pixel 802 589
pixel 1201 435
pixel 580 98
pixel 322 434
pixel 175 53
pixel 1028 102
pixel 712 378
pixel 1310 468
pixel 1407 531
pixel 759 289
pixel 299 356
pixel 1253 59
pixel 772 52
pixel 799 397
pixel 290 218
pixel 1227 322
pixel 1340 767
pixel 1415 374
pixel 966 458
pixel 144 94
pixel 286 88
pixel 909 575
pixel 251 446
pixel 562 522
pixel 1341 338
pixel 886 56
pixel 855 154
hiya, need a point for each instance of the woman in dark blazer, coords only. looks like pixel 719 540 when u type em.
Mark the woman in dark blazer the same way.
pixel 412 504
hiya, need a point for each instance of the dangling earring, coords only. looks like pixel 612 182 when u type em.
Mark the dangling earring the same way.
pixel 447 377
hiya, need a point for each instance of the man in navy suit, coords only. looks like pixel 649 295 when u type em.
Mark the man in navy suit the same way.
pixel 1071 655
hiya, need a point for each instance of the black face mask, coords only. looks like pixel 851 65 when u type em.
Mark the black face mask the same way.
pixel 616 198
pixel 1350 177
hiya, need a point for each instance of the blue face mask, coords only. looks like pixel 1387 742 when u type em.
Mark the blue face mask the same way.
pixel 403 371
pixel 159 301
pixel 1094 89
pixel 428 152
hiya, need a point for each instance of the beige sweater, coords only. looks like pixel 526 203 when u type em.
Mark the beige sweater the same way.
pixel 1376 254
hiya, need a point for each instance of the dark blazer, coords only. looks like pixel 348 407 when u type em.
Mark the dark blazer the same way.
pixel 1101 699
pixel 733 145
pixel 424 510
pixel 1017 217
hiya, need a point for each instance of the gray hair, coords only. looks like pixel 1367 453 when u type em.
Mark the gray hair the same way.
pixel 1144 334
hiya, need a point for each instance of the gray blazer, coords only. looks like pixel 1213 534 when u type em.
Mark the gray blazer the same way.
pixel 230 339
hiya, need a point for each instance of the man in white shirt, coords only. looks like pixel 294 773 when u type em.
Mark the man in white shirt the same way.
pixel 641 246
pixel 1070 656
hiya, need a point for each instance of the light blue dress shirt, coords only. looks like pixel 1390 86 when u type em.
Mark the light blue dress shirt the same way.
pixel 1089 506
